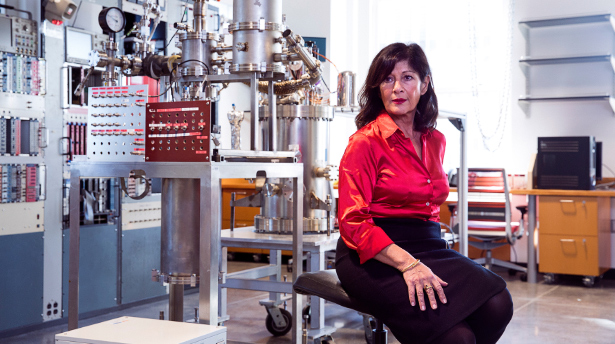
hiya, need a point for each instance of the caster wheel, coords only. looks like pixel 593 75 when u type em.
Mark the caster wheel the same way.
pixel 230 256
pixel 523 277
pixel 257 258
pixel 274 329
pixel 589 281
pixel 307 312
pixel 512 272
pixel 549 278
pixel 324 340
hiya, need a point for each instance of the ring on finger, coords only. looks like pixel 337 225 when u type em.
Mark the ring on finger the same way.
pixel 427 287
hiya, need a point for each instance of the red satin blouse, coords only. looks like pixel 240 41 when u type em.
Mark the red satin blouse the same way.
pixel 382 176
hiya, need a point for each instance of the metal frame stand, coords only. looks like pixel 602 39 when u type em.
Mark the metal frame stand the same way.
pixel 459 121
pixel 314 245
pixel 210 175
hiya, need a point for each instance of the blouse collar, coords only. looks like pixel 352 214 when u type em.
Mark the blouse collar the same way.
pixel 388 127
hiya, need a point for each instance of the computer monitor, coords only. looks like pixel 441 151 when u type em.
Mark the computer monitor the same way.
pixel 6 29
pixel 598 160
pixel 78 46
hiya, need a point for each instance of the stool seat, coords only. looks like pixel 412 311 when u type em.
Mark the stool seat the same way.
pixel 326 285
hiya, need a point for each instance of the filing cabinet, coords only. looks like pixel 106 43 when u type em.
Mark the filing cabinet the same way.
pixel 574 236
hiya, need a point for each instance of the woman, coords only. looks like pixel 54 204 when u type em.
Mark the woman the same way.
pixel 391 187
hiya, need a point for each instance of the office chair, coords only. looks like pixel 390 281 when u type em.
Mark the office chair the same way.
pixel 489 215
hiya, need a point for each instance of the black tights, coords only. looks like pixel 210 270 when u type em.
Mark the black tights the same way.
pixel 485 326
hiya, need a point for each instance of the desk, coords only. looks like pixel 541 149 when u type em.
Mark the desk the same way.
pixel 532 207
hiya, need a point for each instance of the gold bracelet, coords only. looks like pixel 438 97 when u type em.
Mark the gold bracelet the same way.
pixel 411 266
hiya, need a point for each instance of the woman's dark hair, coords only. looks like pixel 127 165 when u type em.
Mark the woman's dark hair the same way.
pixel 382 66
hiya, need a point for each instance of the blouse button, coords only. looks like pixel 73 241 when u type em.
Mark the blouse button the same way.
pixel 428 181
pixel 427 203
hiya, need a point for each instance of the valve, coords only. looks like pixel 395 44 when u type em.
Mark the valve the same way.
pixel 330 172
pixel 82 83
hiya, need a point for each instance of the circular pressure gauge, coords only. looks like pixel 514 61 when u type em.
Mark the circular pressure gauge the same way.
pixel 112 19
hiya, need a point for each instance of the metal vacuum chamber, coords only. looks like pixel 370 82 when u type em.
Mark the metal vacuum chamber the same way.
pixel 303 128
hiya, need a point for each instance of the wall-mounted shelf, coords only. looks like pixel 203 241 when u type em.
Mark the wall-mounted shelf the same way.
pixel 530 61
pixel 543 60
pixel 586 97
pixel 557 21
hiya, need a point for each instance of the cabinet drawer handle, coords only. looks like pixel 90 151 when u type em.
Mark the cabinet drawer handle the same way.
pixel 566 201
pixel 567 240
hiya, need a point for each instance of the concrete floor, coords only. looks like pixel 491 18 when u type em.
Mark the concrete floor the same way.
pixel 565 312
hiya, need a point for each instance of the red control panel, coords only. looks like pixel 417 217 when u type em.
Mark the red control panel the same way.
pixel 178 131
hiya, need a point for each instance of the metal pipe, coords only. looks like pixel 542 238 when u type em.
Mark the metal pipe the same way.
pixel 200 12
pixel 312 65
pixel 273 119
pixel 254 111
pixel 233 196
pixel 286 57
pixel 463 192
pixel 221 49
pixel 302 53
pixel 176 302
pixel 531 251
pixel 180 227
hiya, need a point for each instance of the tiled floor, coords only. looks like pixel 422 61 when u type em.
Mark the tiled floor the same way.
pixel 561 313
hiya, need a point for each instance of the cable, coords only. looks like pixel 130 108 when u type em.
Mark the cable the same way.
pixel 331 62
pixel 162 94
pixel 181 20
pixel 198 61
pixel 608 168
pixel 323 81
pixel 129 32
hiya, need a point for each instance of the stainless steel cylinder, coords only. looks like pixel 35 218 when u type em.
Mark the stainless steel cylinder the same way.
pixel 257 32
pixel 200 13
pixel 346 96
pixel 180 228
pixel 305 128
pixel 194 54
pixel 176 302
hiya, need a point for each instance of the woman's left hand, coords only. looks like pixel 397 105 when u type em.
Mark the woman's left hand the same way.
pixel 422 278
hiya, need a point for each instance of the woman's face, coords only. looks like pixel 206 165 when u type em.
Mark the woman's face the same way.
pixel 401 90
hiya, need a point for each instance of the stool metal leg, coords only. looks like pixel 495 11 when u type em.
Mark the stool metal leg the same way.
pixel 379 334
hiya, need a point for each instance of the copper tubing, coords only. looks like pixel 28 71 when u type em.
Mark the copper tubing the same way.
pixel 283 87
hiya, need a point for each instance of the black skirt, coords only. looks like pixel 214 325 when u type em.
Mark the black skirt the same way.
pixel 382 287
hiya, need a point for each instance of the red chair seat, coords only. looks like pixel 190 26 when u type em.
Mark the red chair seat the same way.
pixel 493 227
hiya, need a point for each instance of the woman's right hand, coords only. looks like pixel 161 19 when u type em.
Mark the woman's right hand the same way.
pixel 421 280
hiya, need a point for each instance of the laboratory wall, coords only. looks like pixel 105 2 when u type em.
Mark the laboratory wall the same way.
pixel 534 119
pixel 562 118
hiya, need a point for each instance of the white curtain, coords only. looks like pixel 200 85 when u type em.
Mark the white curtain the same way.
pixel 468 44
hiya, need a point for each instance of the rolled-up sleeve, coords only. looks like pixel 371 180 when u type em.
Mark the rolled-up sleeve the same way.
pixel 358 174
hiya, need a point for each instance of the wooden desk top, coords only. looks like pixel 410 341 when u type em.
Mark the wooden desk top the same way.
pixel 237 183
pixel 549 192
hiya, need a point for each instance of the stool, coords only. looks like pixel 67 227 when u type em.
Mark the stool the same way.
pixel 326 285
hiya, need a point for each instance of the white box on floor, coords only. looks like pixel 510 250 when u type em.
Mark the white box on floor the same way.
pixel 129 330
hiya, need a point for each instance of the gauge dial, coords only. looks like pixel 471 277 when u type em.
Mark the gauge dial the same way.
pixel 112 19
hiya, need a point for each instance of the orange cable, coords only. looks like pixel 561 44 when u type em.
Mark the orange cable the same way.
pixel 331 62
